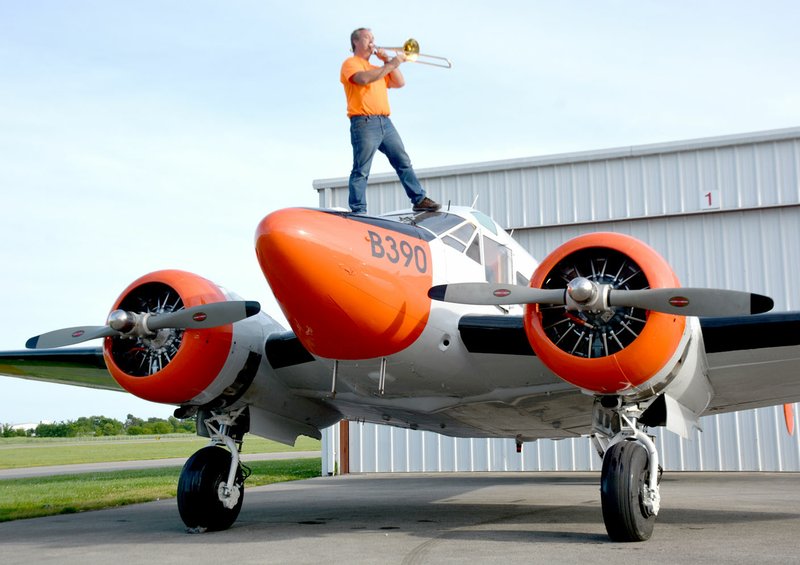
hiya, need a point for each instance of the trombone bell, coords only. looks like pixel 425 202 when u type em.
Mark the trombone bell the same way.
pixel 411 50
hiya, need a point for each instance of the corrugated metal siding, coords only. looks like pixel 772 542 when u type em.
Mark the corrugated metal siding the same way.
pixel 757 170
pixel 748 240
pixel 756 250
pixel 751 440
pixel 375 448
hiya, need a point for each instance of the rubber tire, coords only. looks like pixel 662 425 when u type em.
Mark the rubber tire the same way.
pixel 198 502
pixel 625 472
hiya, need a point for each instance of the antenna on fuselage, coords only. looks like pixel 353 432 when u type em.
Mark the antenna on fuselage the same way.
pixel 474 202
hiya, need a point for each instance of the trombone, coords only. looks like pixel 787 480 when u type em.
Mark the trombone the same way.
pixel 411 50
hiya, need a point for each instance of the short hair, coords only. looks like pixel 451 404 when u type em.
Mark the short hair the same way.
pixel 355 35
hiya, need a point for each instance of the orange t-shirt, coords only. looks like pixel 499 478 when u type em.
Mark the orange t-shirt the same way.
pixel 368 99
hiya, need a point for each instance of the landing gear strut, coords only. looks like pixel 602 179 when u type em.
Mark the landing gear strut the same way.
pixel 629 490
pixel 211 485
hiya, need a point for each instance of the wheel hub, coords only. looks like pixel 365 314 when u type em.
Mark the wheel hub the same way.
pixel 228 496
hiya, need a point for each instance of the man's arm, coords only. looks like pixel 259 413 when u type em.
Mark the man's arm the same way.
pixel 390 67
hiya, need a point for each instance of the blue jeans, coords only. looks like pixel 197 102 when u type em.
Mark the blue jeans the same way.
pixel 369 134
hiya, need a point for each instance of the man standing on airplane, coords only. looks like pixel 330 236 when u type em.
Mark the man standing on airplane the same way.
pixel 365 86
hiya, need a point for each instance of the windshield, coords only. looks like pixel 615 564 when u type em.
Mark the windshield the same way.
pixel 435 222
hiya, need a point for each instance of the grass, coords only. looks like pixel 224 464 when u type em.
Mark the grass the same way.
pixel 67 494
pixel 36 452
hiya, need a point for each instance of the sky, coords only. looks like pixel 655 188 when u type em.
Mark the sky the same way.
pixel 137 136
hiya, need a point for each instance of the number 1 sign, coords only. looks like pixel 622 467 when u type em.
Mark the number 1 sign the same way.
pixel 709 200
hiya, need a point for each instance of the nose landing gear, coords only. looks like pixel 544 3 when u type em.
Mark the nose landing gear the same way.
pixel 211 485
pixel 629 491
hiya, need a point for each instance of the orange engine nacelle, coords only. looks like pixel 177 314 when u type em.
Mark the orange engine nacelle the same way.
pixel 607 352
pixel 174 366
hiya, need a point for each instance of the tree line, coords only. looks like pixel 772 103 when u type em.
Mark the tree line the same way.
pixel 103 426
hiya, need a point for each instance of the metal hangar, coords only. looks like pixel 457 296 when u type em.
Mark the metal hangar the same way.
pixel 724 211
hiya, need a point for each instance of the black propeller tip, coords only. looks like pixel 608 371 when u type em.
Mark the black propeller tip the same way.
pixel 760 304
pixel 32 342
pixel 251 308
pixel 437 292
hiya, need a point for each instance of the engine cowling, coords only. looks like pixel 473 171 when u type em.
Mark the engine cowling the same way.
pixel 610 352
pixel 175 366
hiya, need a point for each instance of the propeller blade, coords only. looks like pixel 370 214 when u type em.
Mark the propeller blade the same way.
pixel 195 318
pixel 69 336
pixel 205 315
pixel 487 293
pixel 693 301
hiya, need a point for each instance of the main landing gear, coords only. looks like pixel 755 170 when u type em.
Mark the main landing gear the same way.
pixel 629 491
pixel 211 485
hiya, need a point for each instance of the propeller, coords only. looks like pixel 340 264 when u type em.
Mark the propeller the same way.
pixel 132 324
pixel 583 294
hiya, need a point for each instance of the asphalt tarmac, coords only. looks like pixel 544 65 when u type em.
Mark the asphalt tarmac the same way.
pixel 436 518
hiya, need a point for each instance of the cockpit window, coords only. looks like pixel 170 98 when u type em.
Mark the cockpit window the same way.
pixel 454 243
pixel 436 222
pixel 485 221
pixel 390 223
pixel 474 250
pixel 460 237
pixel 464 233
pixel 498 261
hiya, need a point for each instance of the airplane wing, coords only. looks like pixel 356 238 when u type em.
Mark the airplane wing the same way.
pixel 497 345
pixel 753 361
pixel 82 366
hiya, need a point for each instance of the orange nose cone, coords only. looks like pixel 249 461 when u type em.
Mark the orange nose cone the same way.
pixel 350 289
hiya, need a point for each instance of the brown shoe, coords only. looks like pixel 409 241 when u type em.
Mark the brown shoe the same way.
pixel 426 205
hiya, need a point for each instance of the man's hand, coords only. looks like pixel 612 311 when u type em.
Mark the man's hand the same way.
pixel 382 55
pixel 398 59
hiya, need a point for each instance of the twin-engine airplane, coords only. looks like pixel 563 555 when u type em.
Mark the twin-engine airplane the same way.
pixel 435 321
